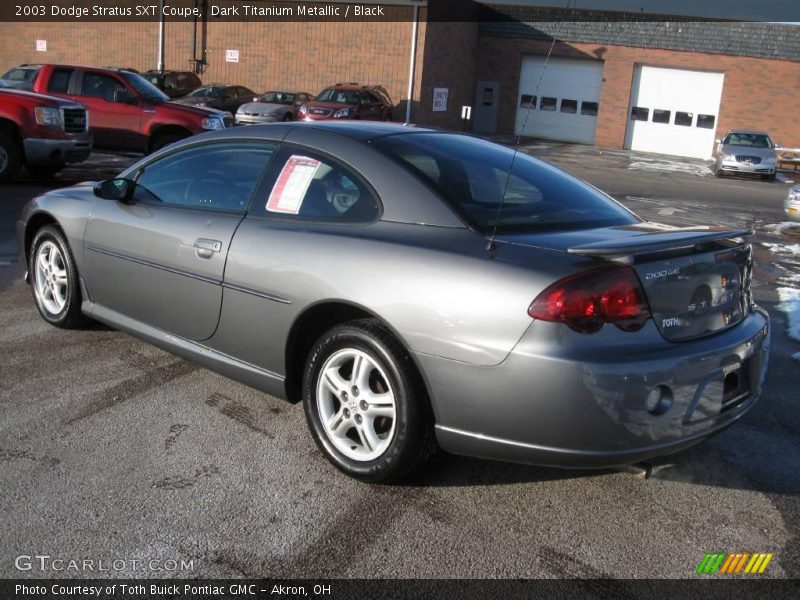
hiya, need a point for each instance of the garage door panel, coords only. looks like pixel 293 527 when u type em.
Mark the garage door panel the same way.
pixel 688 102
pixel 563 78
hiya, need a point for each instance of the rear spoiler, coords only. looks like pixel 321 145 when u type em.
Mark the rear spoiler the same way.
pixel 672 239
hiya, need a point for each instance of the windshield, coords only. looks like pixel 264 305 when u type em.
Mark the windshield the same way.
pixel 144 87
pixel 206 92
pixel 277 98
pixel 750 140
pixel 20 74
pixel 338 96
pixel 470 174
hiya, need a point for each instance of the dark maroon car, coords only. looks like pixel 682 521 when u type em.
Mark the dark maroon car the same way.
pixel 349 101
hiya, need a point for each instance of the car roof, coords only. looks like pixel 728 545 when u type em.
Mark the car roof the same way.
pixel 749 131
pixel 357 130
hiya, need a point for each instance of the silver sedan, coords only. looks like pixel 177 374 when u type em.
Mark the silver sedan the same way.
pixel 413 294
pixel 746 151
pixel 792 204
pixel 271 107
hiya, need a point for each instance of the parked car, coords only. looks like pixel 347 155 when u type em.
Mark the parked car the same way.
pixel 174 83
pixel 127 111
pixel 746 151
pixel 792 204
pixel 271 107
pixel 222 97
pixel 20 77
pixel 41 133
pixel 369 271
pixel 349 101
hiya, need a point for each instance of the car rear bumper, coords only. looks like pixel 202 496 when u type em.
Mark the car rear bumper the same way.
pixel 57 152
pixel 547 406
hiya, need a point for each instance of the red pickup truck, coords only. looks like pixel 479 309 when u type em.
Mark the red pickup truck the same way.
pixel 127 111
pixel 40 132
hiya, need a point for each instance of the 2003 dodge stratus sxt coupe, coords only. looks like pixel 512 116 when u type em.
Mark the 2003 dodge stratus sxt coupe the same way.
pixel 347 265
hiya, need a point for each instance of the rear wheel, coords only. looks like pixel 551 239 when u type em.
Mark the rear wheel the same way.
pixel 365 403
pixel 54 279
pixel 10 157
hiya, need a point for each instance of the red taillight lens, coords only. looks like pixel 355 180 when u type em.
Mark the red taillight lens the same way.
pixel 586 301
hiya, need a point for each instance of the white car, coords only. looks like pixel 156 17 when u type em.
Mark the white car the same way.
pixel 792 205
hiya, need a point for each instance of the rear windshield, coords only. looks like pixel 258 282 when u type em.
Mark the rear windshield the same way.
pixel 471 174
pixel 339 96
pixel 207 92
pixel 277 98
pixel 749 140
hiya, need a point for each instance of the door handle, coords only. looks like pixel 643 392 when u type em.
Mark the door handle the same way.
pixel 205 248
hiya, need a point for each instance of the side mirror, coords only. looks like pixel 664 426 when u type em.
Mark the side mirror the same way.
pixel 114 189
pixel 124 97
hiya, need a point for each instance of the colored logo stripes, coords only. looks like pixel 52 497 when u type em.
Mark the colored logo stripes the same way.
pixel 739 562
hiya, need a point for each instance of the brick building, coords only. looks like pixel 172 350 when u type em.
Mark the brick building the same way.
pixel 618 80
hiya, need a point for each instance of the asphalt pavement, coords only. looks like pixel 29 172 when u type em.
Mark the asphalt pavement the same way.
pixel 111 449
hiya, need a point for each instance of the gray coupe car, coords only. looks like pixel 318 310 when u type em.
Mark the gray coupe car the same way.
pixel 413 294
pixel 746 151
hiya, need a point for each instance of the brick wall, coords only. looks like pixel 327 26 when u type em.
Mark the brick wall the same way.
pixel 758 93
pixel 293 55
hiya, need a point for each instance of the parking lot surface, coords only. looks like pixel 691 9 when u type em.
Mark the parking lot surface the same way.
pixel 113 449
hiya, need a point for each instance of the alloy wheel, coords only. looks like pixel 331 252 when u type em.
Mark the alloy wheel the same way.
pixel 51 278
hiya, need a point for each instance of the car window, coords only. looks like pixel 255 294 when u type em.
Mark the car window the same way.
pixel 59 81
pixel 471 175
pixel 751 140
pixel 312 187
pixel 99 85
pixel 369 98
pixel 243 91
pixel 20 74
pixel 212 176
pixel 339 96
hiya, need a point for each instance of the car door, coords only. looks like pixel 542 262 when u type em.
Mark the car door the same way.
pixel 114 123
pixel 160 257
pixel 371 107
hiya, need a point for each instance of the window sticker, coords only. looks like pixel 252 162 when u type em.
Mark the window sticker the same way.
pixel 292 184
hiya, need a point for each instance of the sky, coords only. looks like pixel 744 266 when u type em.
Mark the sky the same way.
pixel 747 10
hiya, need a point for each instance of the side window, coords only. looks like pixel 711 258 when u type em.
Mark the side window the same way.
pixel 661 116
pixel 639 113
pixel 314 188
pixel 214 176
pixel 527 100
pixel 548 103
pixel 99 85
pixel 706 121
pixel 569 106
pixel 59 81
pixel 589 108
pixel 228 94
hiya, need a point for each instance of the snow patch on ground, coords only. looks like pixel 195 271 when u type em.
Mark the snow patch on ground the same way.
pixel 670 167
pixel 783 249
pixel 781 228
pixel 790 304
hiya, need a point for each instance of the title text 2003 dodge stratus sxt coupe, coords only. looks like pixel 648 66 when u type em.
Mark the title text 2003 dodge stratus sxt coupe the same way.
pixel 347 265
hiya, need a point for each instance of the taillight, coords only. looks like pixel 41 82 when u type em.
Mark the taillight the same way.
pixel 588 300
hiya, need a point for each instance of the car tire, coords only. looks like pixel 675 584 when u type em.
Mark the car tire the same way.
pixel 769 176
pixel 718 173
pixel 54 279
pixel 165 139
pixel 44 173
pixel 10 157
pixel 381 431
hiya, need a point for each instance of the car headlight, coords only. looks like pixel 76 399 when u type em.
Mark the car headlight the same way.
pixel 342 113
pixel 48 116
pixel 213 123
pixel 794 195
pixel 726 156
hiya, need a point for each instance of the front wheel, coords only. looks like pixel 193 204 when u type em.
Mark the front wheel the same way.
pixel 54 279
pixel 165 139
pixel 365 403
pixel 10 158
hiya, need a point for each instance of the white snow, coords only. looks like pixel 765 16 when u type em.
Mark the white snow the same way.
pixel 780 228
pixel 670 167
pixel 790 304
pixel 783 249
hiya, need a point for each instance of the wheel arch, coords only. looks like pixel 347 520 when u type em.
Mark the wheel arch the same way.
pixel 314 321
pixel 165 129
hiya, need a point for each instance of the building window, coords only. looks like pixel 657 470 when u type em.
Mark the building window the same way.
pixel 640 114
pixel 684 118
pixel 661 116
pixel 706 121
pixel 589 108
pixel 527 101
pixel 548 103
pixel 569 106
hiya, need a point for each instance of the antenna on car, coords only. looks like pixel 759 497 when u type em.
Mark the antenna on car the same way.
pixel 491 246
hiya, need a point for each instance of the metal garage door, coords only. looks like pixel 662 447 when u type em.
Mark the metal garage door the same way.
pixel 674 111
pixel 567 100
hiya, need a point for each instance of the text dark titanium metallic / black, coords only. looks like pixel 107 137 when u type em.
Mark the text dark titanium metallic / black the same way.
pixel 346 265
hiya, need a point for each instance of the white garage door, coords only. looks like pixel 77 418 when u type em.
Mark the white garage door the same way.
pixel 566 104
pixel 674 111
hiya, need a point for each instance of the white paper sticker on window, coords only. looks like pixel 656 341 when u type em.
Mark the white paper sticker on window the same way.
pixel 292 184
